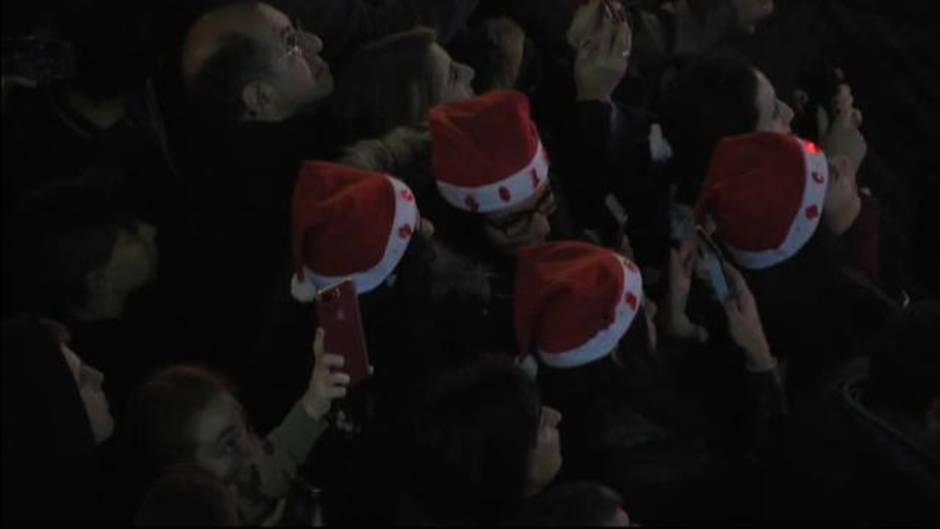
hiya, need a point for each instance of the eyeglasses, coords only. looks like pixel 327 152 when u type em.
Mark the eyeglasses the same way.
pixel 293 39
pixel 519 223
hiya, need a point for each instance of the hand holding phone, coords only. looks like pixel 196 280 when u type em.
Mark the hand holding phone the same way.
pixel 744 324
pixel 325 385
pixel 339 316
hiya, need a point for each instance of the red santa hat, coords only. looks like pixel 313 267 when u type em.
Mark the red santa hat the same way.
pixel 347 223
pixel 485 153
pixel 765 193
pixel 574 301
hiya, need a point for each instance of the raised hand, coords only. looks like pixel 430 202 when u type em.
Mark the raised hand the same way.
pixel 676 323
pixel 602 57
pixel 744 323
pixel 325 385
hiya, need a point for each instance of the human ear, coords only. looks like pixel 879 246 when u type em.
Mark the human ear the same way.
pixel 259 99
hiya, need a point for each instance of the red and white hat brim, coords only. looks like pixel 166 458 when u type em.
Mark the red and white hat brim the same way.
pixel 606 340
pixel 504 194
pixel 403 228
pixel 806 221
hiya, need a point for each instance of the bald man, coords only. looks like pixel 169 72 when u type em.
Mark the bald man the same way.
pixel 247 62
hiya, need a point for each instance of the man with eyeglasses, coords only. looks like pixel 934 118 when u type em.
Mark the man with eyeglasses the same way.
pixel 254 85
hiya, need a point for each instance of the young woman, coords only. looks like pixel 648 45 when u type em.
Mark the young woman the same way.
pixel 768 197
pixel 394 81
pixel 635 417
pixel 188 414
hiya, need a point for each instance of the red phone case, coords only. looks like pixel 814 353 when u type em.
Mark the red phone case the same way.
pixel 338 312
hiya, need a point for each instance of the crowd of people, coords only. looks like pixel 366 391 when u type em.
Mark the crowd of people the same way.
pixel 616 264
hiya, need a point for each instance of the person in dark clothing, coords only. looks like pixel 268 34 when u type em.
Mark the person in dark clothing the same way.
pixel 254 83
pixel 705 103
pixel 713 97
pixel 632 420
pixel 50 466
pixel 80 257
pixel 367 226
pixel 871 452
pixel 482 442
pixel 580 503
pixel 187 414
pixel 394 81
pixel 99 122
pixel 818 312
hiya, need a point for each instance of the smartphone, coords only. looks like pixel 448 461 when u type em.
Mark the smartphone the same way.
pixel 338 314
pixel 711 260
pixel 40 60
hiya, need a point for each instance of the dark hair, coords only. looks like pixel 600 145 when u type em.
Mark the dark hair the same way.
pixel 388 83
pixel 187 496
pixel 905 367
pixel 472 442
pixel 713 97
pixel 159 430
pixel 61 233
pixel 572 504
pixel 480 49
pixel 215 91
pixel 50 469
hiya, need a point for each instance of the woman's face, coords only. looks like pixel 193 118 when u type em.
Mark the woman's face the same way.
pixel 545 457
pixel 451 79
pixel 223 443
pixel 522 225
pixel 89 380
pixel 773 114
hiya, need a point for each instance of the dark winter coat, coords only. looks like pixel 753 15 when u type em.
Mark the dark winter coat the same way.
pixel 847 464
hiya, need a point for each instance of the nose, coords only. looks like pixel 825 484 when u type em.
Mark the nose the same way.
pixel 467 74
pixel 551 415
pixel 315 43
pixel 541 227
pixel 96 377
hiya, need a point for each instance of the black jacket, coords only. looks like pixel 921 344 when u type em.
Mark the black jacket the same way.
pixel 846 464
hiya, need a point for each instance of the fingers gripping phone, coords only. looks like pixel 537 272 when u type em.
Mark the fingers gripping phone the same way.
pixel 711 260
pixel 339 316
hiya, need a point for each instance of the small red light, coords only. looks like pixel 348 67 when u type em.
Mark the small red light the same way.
pixel 811 147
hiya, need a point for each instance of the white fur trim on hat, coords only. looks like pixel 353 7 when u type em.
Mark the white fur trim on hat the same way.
pixel 504 194
pixel 806 221
pixel 403 229
pixel 605 340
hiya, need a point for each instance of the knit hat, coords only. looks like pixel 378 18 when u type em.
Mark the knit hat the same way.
pixel 485 153
pixel 347 223
pixel 574 301
pixel 764 192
